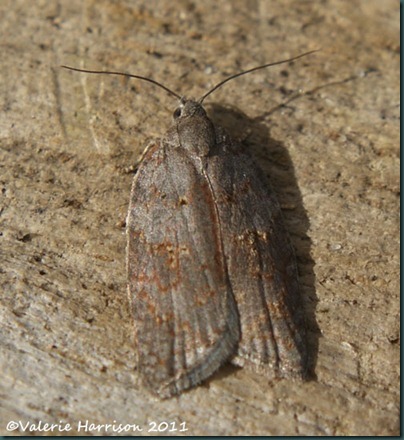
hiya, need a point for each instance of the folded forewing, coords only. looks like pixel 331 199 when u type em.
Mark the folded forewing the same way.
pixel 261 267
pixel 185 317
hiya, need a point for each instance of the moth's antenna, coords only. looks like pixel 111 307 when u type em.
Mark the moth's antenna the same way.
pixel 253 70
pixel 128 75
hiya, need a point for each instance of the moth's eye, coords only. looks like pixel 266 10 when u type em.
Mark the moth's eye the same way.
pixel 177 113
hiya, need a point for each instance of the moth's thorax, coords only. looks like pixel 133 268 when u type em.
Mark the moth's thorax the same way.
pixel 196 132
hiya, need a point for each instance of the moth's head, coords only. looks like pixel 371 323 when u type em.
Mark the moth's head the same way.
pixel 188 108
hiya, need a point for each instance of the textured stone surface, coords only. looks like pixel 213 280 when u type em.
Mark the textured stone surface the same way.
pixel 332 154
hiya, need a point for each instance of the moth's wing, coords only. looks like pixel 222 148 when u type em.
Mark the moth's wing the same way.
pixel 185 317
pixel 261 267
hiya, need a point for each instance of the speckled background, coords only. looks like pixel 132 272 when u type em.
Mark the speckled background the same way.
pixel 326 131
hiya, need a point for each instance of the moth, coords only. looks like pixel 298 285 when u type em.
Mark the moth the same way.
pixel 212 275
